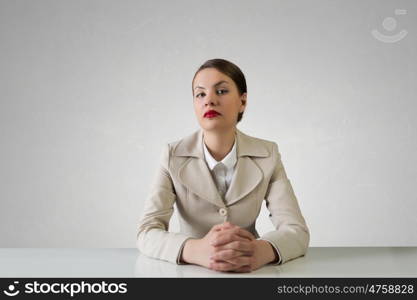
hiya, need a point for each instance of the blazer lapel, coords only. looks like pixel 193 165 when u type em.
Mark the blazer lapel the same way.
pixel 246 178
pixel 196 176
pixel 247 174
pixel 194 173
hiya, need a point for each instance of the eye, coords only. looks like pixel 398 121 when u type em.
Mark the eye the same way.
pixel 198 95
pixel 222 91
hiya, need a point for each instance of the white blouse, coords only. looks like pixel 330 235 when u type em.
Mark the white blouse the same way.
pixel 222 171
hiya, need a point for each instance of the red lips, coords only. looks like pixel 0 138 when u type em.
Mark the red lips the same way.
pixel 211 114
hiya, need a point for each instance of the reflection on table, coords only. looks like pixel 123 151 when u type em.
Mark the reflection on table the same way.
pixel 318 262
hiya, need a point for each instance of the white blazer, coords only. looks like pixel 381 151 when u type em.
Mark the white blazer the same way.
pixel 184 179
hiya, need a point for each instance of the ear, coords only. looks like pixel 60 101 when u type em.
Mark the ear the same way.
pixel 244 101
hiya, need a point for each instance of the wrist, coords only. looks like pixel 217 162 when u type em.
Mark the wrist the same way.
pixel 268 252
pixel 188 251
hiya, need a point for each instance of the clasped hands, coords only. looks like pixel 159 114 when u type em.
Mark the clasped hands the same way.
pixel 227 247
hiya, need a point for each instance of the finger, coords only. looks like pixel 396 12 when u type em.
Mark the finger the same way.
pixel 226 238
pixel 219 227
pixel 225 226
pixel 243 269
pixel 239 231
pixel 226 254
pixel 228 225
pixel 241 247
pixel 229 265
pixel 223 266
pixel 240 261
pixel 236 234
pixel 244 233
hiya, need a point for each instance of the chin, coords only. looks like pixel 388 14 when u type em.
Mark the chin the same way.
pixel 212 126
pixel 209 127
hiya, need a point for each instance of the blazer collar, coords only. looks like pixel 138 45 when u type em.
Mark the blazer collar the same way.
pixel 195 174
pixel 192 145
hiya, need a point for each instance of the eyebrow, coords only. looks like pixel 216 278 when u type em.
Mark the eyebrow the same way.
pixel 216 84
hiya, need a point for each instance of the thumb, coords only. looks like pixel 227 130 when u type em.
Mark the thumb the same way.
pixel 228 225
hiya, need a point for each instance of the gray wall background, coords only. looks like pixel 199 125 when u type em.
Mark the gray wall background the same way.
pixel 90 91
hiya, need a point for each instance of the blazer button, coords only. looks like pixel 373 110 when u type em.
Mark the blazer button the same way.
pixel 223 211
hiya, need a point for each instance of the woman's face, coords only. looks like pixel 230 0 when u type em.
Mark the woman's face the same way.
pixel 213 90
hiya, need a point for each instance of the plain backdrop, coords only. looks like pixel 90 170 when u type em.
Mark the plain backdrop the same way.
pixel 91 91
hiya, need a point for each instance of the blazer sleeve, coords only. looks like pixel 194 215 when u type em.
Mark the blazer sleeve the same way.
pixel 291 236
pixel 153 238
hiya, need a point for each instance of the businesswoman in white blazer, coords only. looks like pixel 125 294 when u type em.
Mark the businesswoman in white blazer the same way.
pixel 218 177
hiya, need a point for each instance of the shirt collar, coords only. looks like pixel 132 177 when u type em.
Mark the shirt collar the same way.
pixel 229 160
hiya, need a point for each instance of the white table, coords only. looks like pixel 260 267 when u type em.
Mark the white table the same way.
pixel 319 262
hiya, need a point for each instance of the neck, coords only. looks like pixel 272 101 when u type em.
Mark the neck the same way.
pixel 219 144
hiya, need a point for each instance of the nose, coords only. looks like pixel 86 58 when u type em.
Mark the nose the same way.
pixel 210 99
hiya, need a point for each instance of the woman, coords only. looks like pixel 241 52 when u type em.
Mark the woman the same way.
pixel 218 177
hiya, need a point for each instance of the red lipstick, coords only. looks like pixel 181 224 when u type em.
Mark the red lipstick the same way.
pixel 211 114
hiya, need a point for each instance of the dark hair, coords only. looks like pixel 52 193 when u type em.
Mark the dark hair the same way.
pixel 229 69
